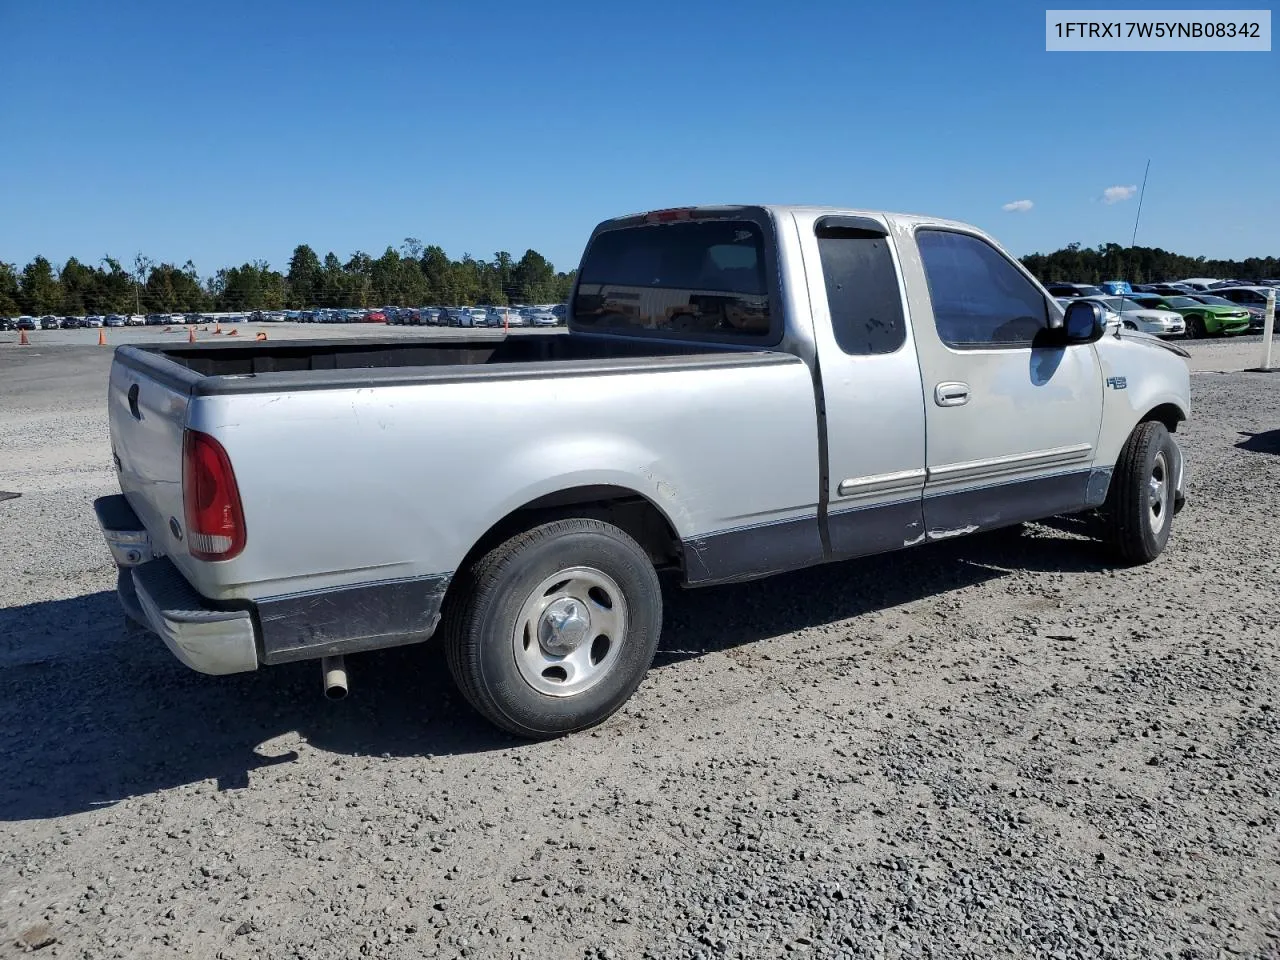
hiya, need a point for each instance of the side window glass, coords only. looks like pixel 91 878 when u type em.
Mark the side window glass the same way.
pixel 862 291
pixel 980 300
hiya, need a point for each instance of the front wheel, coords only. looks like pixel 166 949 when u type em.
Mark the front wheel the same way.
pixel 1140 503
pixel 1195 329
pixel 555 628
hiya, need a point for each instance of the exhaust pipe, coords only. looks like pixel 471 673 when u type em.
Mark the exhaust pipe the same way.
pixel 334 670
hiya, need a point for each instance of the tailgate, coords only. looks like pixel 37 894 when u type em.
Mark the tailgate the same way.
pixel 148 412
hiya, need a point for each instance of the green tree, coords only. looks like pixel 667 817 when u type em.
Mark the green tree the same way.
pixel 115 293
pixel 40 291
pixel 534 279
pixel 306 278
pixel 10 294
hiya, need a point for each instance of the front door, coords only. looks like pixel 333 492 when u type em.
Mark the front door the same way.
pixel 1011 423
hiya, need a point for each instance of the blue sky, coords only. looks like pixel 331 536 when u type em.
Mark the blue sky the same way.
pixel 233 131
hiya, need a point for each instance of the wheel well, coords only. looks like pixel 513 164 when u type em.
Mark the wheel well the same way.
pixel 1166 413
pixel 629 511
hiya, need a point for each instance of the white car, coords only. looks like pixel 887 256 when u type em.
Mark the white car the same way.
pixel 1135 315
pixel 93 321
pixel 135 320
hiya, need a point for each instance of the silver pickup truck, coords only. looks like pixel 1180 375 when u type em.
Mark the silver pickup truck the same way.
pixel 743 390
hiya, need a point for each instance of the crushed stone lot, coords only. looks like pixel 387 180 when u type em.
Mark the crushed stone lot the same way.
pixel 992 747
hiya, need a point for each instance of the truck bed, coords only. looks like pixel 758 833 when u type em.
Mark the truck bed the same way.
pixel 252 366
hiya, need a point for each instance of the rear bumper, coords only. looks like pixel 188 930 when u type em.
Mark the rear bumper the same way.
pixel 237 636
pixel 206 639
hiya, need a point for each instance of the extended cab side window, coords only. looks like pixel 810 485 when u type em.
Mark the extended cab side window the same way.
pixel 862 290
pixel 980 300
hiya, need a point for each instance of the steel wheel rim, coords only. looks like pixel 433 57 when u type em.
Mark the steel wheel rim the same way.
pixel 1158 493
pixel 570 632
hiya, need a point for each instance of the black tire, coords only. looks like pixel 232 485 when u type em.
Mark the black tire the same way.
pixel 1137 522
pixel 1195 329
pixel 480 629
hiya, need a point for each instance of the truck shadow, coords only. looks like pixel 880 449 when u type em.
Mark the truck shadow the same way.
pixel 95 712
pixel 1268 441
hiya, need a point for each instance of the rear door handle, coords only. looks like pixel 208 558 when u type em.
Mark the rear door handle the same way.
pixel 951 394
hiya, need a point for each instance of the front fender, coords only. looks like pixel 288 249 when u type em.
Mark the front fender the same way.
pixel 1138 378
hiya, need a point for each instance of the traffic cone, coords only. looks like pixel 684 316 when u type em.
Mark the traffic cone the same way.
pixel 218 330
pixel 233 333
pixel 22 339
pixel 191 335
pixel 102 337
pixel 262 335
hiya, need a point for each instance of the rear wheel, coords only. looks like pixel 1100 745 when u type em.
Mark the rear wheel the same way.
pixel 555 628
pixel 1138 514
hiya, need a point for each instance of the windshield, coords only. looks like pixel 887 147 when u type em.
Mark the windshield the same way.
pixel 1181 302
pixel 1215 301
pixel 1122 304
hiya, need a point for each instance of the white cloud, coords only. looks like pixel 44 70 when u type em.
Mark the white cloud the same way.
pixel 1018 206
pixel 1116 194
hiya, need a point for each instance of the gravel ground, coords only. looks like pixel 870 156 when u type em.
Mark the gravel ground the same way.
pixel 992 747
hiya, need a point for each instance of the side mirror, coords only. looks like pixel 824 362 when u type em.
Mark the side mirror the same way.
pixel 1085 322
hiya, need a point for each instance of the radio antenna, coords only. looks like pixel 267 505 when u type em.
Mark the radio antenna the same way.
pixel 1140 196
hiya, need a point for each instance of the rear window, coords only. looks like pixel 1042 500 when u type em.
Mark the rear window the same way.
pixel 704 278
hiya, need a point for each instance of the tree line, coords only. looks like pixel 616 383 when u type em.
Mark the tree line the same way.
pixel 417 275
pixel 414 275
pixel 1110 261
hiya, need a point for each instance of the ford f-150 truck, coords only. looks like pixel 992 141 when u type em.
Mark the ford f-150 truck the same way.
pixel 742 390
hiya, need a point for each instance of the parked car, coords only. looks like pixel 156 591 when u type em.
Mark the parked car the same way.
pixel 1072 290
pixel 1253 299
pixel 429 315
pixel 70 323
pixel 156 320
pixel 113 320
pixel 700 418
pixel 49 323
pixel 7 324
pixel 1116 287
pixel 1163 289
pixel 135 320
pixel 27 323
pixel 1226 319
pixel 503 317
pixel 1133 315
pixel 93 321
pixel 1203 319
pixel 375 316
pixel 541 317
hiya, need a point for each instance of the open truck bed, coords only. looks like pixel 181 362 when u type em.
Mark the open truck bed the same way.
pixel 252 366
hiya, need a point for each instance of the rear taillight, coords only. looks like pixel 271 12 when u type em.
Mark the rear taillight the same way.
pixel 215 519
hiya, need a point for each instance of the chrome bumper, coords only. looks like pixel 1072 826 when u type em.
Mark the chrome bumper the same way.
pixel 156 594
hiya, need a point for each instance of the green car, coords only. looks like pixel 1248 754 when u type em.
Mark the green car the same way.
pixel 1206 315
